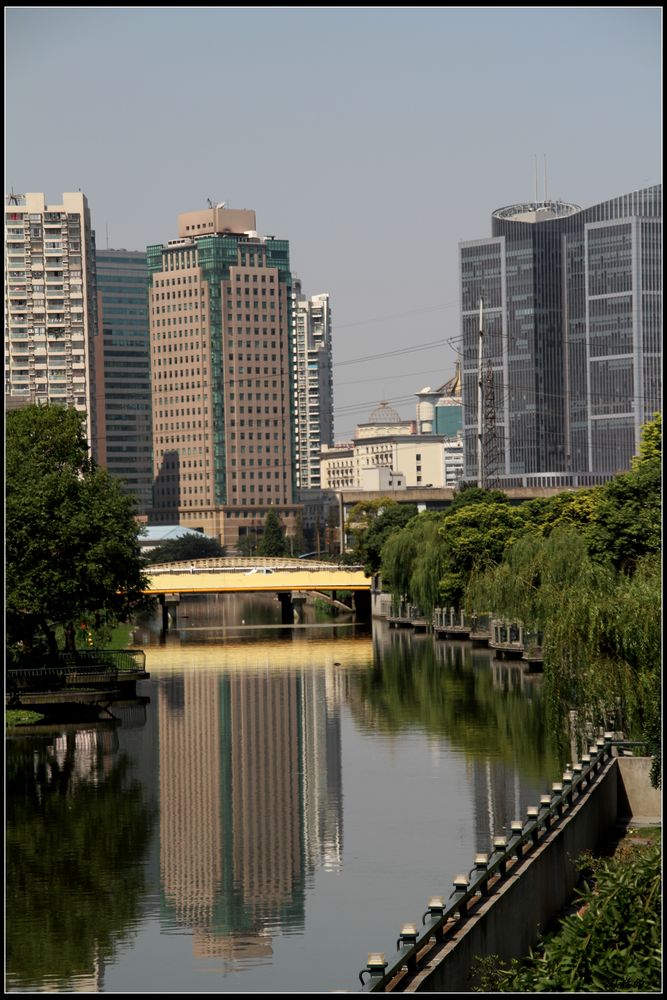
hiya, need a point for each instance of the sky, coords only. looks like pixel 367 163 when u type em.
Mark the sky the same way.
pixel 373 139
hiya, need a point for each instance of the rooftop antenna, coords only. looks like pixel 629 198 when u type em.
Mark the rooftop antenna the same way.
pixel 13 199
pixel 210 203
pixel 535 178
pixel 107 228
pixel 546 197
pixel 480 397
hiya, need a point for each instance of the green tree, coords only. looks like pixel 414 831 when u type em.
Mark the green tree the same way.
pixel 273 541
pixel 72 553
pixel 297 542
pixel 601 632
pixel 186 548
pixel 248 544
pixel 432 559
pixel 370 523
pixel 627 522
pixel 474 537
pixel 413 561
pixel 612 944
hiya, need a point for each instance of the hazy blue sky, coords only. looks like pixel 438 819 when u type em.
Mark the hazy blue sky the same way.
pixel 373 139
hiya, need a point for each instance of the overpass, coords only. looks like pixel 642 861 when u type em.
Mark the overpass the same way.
pixel 235 575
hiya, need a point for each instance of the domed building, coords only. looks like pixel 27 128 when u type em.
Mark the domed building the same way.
pixel 389 453
pixel 385 420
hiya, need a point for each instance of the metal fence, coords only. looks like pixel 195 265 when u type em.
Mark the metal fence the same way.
pixel 441 916
pixel 89 666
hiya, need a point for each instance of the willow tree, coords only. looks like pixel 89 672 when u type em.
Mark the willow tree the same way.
pixel 601 631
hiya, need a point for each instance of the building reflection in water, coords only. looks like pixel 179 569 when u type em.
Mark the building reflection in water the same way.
pixel 491 709
pixel 250 796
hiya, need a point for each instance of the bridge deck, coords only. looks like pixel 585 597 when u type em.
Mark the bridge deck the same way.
pixel 226 581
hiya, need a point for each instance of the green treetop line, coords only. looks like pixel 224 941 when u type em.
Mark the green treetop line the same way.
pixel 582 567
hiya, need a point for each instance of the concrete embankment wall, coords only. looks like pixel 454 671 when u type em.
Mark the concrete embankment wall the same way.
pixel 537 888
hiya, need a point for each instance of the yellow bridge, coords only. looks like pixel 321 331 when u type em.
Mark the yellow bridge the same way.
pixel 235 575
pixel 285 577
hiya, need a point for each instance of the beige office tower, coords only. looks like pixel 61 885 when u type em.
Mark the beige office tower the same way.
pixel 50 304
pixel 220 322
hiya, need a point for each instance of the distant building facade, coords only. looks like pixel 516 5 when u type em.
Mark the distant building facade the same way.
pixel 386 454
pixel 223 430
pixel 440 411
pixel 51 304
pixel 313 384
pixel 123 372
pixel 572 341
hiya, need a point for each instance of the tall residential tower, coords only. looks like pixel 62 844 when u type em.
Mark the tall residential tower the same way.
pixel 313 384
pixel 50 304
pixel 220 321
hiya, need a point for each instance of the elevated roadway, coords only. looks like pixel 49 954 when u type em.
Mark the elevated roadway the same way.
pixel 284 577
pixel 220 576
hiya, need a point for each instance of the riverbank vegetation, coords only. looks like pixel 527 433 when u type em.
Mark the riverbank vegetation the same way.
pixel 582 568
pixel 73 566
pixel 186 547
pixel 612 943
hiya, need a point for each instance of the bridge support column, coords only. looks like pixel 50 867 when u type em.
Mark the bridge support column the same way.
pixel 286 608
pixel 298 604
pixel 165 614
pixel 362 605
pixel 169 604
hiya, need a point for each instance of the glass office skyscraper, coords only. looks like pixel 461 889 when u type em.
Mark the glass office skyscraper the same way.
pixel 123 372
pixel 572 346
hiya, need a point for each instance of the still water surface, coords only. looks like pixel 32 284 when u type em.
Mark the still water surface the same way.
pixel 281 804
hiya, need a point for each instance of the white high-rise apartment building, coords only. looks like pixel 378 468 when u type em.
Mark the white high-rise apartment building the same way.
pixel 313 383
pixel 50 304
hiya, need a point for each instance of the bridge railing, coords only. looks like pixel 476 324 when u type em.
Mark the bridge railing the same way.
pixel 85 666
pixel 234 564
pixel 488 869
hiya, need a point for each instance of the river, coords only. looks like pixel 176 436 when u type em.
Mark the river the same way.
pixel 277 805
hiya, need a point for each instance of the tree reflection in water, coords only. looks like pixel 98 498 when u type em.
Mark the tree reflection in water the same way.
pixel 78 831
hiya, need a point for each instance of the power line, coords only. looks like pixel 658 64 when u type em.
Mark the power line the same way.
pixel 391 354
pixel 404 315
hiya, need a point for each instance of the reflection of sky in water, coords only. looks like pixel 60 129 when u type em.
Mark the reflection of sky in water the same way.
pixel 310 801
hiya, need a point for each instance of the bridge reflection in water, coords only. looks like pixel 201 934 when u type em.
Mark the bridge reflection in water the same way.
pixel 309 786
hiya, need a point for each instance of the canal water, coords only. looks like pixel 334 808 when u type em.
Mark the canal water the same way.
pixel 274 807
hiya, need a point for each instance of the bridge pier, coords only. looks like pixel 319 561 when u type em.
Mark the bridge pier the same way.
pixel 286 608
pixel 362 605
pixel 298 604
pixel 169 603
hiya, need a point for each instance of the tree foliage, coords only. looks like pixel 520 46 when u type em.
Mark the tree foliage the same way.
pixel 626 524
pixel 186 548
pixel 71 534
pixel 273 541
pixel 248 544
pixel 370 524
pixel 587 574
pixel 413 561
pixel 612 944
pixel 601 629
pixel 432 558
